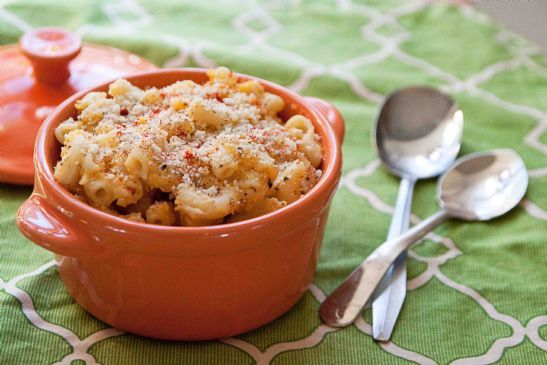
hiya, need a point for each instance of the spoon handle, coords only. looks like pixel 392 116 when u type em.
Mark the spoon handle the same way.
pixel 400 220
pixel 390 294
pixel 343 306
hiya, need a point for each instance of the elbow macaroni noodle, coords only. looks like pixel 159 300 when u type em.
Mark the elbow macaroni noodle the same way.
pixel 187 154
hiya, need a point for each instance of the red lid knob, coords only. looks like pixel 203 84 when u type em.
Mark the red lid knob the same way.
pixel 50 50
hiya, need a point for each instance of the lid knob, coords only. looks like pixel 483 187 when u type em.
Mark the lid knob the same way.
pixel 50 50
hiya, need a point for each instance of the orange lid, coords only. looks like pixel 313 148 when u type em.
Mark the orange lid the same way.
pixel 47 66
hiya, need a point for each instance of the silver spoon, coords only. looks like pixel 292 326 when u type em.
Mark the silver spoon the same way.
pixel 418 136
pixel 480 186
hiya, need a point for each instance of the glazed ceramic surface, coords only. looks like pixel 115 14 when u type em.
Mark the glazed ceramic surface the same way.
pixel 47 66
pixel 184 283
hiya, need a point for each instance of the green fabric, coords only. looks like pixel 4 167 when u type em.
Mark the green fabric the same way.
pixel 478 291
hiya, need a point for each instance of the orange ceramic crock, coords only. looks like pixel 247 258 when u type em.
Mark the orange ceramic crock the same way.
pixel 183 283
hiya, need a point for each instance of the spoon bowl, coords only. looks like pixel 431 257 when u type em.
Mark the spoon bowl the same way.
pixel 418 132
pixel 483 185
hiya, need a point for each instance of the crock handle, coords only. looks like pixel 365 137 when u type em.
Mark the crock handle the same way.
pixel 47 227
pixel 332 114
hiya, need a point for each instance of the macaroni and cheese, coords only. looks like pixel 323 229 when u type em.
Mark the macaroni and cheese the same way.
pixel 187 154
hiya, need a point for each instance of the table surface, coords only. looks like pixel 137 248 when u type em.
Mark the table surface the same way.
pixel 527 18
pixel 477 291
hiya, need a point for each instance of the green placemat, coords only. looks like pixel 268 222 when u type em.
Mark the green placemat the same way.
pixel 478 292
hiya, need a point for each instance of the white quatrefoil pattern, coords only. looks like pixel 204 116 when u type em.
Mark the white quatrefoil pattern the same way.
pixel 477 292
